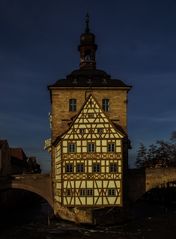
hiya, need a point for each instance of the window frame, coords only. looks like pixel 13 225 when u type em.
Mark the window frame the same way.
pixel 71 148
pixel 86 192
pixel 69 168
pixel 111 147
pixel 105 104
pixel 72 105
pixel 96 168
pixel 91 147
pixel 80 168
pixel 111 192
pixel 113 167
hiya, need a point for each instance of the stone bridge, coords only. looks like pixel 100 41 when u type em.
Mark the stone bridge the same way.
pixel 142 180
pixel 36 183
pixel 139 182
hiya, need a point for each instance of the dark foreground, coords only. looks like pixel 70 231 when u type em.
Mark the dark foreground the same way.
pixel 147 221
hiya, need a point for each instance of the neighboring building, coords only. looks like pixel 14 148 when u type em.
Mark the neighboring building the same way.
pixel 32 165
pixel 15 161
pixel 18 160
pixel 89 141
pixel 5 166
pixel 20 163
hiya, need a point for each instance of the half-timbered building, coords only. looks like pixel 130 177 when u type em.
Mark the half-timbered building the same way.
pixel 89 141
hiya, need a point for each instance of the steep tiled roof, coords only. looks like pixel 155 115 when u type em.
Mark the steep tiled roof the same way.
pixel 89 78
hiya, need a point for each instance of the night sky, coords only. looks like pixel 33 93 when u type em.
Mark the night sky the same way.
pixel 38 45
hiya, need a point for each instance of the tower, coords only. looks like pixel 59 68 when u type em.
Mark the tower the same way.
pixel 89 136
pixel 87 48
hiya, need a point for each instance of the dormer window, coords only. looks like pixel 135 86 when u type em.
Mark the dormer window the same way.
pixel 105 105
pixel 72 105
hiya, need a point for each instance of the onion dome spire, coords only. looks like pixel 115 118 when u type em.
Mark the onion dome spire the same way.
pixel 87 48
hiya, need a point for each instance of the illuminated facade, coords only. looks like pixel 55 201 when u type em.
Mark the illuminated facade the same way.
pixel 89 134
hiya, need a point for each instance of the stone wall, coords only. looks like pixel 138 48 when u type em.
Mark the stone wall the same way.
pixel 60 106
pixel 143 180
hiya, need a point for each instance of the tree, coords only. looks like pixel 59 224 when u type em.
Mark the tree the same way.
pixel 141 156
pixel 160 154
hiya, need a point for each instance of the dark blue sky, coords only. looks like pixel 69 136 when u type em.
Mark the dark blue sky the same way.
pixel 38 45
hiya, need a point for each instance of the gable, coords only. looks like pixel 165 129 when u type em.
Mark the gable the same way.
pixel 92 123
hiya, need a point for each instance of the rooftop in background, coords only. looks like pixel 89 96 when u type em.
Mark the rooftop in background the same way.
pixel 2 142
pixel 17 153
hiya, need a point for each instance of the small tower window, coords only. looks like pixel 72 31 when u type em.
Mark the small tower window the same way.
pixel 105 105
pixel 72 105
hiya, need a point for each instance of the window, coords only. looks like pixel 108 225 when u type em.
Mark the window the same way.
pixel 111 192
pixel 68 192
pixel 89 192
pixel 91 147
pixel 82 131
pixel 111 147
pixel 90 115
pixel 96 168
pixel 80 168
pixel 100 130
pixel 82 192
pixel 72 148
pixel 113 167
pixel 86 192
pixel 105 105
pixel 69 168
pixel 72 105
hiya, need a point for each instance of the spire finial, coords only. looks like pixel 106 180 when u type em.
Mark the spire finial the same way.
pixel 87 30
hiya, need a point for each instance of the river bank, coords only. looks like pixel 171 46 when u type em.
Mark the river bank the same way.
pixel 148 220
pixel 152 217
